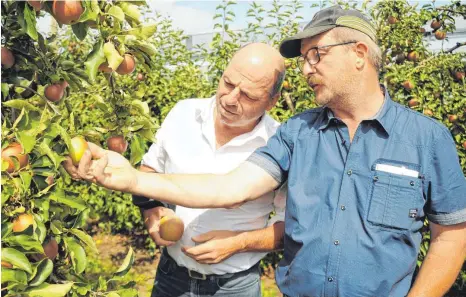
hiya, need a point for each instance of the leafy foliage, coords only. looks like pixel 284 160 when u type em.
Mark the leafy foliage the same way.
pixel 99 104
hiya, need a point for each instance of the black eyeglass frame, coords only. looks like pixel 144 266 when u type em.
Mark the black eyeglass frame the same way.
pixel 300 60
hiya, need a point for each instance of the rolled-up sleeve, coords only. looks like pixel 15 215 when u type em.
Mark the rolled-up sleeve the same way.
pixel 447 184
pixel 275 157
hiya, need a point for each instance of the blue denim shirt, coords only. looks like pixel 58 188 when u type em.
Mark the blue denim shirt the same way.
pixel 355 209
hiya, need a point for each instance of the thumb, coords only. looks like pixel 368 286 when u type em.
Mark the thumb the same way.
pixel 203 237
pixel 96 151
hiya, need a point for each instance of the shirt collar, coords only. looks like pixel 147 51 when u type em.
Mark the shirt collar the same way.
pixel 205 115
pixel 382 117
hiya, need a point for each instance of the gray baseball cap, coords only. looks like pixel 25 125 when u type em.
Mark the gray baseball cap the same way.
pixel 325 20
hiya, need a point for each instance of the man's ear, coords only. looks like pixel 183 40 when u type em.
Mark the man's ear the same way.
pixel 362 51
pixel 273 101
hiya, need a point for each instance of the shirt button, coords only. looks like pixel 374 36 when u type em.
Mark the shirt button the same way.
pixel 336 242
pixel 330 279
pixel 411 183
pixel 349 172
pixel 342 207
pixel 376 178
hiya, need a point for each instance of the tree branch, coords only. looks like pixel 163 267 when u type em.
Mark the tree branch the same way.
pixel 458 44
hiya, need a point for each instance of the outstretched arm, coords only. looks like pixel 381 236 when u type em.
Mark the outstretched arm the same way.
pixel 113 171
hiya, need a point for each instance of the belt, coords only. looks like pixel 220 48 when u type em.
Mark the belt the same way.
pixel 201 276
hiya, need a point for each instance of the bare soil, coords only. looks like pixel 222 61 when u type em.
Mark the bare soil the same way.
pixel 113 248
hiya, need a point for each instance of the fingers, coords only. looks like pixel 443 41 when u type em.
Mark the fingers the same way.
pixel 195 251
pixel 84 165
pixel 98 168
pixel 203 237
pixel 203 256
pixel 70 168
pixel 152 224
pixel 159 241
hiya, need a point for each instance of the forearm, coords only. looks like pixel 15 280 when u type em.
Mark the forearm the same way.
pixel 440 268
pixel 194 191
pixel 263 240
pixel 247 182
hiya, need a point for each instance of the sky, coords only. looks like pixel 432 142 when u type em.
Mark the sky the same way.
pixel 196 17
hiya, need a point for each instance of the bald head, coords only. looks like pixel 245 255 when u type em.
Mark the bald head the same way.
pixel 260 55
pixel 263 60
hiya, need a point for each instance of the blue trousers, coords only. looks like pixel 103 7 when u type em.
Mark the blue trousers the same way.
pixel 172 280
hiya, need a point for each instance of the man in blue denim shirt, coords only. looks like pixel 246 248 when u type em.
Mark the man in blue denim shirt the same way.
pixel 363 173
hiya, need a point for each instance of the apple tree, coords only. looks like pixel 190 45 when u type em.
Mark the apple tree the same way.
pixel 44 246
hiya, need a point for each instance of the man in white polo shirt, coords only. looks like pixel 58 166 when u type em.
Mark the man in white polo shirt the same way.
pixel 220 250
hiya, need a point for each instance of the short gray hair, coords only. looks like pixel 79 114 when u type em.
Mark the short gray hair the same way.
pixel 343 34
pixel 277 86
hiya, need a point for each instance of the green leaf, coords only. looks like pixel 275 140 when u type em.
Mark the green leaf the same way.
pixel 112 55
pixel 128 293
pixel 87 239
pixel 83 289
pixel 43 161
pixel 40 231
pixel 80 30
pixel 26 242
pixel 117 13
pixel 44 148
pixel 27 140
pixel 77 254
pixel 81 219
pixel 29 24
pixel 146 48
pixel 41 42
pixel 13 275
pixel 64 135
pixel 139 107
pixel 5 165
pixel 102 284
pixel 147 134
pixel 56 227
pixel 131 11
pixel 26 177
pixel 50 290
pixel 91 10
pixel 69 199
pixel 5 89
pixel 113 294
pixel 17 259
pixel 137 149
pixel 127 263
pixel 43 205
pixel 95 58
pixel 20 104
pixel 143 32
pixel 44 269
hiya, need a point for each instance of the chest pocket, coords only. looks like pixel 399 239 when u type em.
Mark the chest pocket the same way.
pixel 396 200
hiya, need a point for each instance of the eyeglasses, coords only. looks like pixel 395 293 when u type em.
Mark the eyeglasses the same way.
pixel 312 56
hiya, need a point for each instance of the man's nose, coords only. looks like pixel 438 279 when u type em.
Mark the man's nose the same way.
pixel 233 97
pixel 309 69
